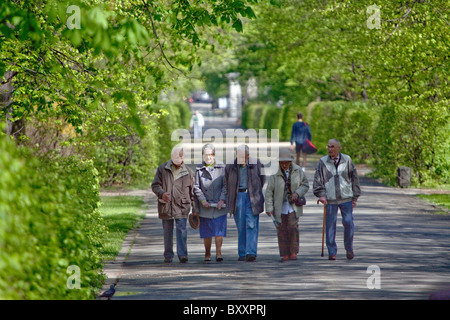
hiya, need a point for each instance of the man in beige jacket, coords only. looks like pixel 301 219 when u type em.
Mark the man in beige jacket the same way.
pixel 283 188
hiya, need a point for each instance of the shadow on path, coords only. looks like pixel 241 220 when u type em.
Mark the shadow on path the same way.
pixel 394 231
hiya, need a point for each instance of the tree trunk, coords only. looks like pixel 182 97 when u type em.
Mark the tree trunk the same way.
pixel 6 90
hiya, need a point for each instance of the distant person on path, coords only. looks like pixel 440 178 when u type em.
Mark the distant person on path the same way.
pixel 336 184
pixel 244 182
pixel 283 189
pixel 174 186
pixel 210 195
pixel 197 122
pixel 300 132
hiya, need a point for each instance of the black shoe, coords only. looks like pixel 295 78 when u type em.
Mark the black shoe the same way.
pixel 183 259
pixel 219 259
pixel 241 259
pixel 167 260
pixel 350 255
pixel 250 258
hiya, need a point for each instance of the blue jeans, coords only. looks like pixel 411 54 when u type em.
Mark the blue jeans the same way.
pixel 347 221
pixel 247 226
pixel 180 225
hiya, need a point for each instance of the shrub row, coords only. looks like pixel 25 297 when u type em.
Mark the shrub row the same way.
pixel 383 136
pixel 123 156
pixel 50 226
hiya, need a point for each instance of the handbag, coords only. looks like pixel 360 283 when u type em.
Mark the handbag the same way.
pixel 308 146
pixel 301 201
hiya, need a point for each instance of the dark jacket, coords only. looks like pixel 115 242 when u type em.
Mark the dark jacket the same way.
pixel 181 190
pixel 300 132
pixel 210 187
pixel 255 183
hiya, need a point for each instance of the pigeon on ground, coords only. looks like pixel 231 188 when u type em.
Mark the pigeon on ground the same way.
pixel 109 293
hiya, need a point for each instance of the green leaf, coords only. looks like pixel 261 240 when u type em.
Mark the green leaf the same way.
pixel 237 25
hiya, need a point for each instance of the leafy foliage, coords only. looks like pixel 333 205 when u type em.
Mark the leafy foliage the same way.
pixel 327 50
pixel 49 220
pixel 81 86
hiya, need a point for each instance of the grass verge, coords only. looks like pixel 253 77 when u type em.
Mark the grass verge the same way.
pixel 120 214
pixel 441 200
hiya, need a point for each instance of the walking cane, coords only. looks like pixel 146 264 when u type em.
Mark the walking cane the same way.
pixel 323 225
pixel 274 221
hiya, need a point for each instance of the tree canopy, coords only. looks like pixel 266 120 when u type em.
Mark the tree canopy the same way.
pixel 76 59
pixel 393 55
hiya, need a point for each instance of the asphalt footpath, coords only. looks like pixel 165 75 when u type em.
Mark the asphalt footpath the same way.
pixel 401 246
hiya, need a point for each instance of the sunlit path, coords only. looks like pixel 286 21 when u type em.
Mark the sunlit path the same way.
pixel 395 232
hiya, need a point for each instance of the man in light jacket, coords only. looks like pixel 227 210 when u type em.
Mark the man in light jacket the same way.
pixel 283 188
pixel 244 182
pixel 336 184
pixel 174 186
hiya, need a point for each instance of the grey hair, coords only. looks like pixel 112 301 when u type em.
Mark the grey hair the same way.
pixel 208 146
pixel 177 149
pixel 243 147
pixel 337 141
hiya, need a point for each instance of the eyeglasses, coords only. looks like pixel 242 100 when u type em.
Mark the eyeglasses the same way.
pixel 331 146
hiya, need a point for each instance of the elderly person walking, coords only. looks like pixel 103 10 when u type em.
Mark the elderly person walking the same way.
pixel 283 189
pixel 174 186
pixel 336 184
pixel 244 182
pixel 210 194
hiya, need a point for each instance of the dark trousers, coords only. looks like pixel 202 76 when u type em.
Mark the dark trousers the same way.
pixel 288 235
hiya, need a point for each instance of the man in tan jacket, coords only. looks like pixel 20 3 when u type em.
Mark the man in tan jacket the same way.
pixel 283 188
pixel 173 185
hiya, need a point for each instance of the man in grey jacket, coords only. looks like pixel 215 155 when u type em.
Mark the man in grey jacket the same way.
pixel 336 184
pixel 244 182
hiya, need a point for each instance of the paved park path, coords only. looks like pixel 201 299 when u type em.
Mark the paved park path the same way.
pixel 402 251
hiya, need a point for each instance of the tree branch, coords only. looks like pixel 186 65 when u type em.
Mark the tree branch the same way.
pixel 157 39
pixel 8 76
pixel 397 26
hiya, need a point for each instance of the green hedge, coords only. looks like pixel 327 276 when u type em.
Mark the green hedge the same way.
pixel 385 136
pixel 171 117
pixel 49 220
pixel 122 156
pixel 415 137
pixel 353 124
pixel 264 116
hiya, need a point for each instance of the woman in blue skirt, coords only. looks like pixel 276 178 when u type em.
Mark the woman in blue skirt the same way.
pixel 210 198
